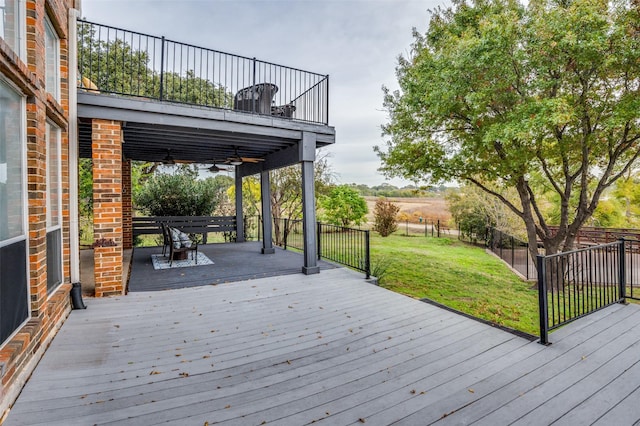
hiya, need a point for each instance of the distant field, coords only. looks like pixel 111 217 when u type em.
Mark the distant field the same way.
pixel 429 208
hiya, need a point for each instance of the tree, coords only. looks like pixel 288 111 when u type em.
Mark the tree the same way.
pixel 542 97
pixel 286 189
pixel 179 194
pixel 473 210
pixel 627 192
pixel 344 206
pixel 385 217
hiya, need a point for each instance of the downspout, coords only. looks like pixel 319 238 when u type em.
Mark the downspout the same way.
pixel 72 66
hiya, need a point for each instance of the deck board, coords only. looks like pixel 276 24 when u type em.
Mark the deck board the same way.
pixel 328 348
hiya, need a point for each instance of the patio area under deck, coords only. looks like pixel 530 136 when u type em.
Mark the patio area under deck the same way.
pixel 152 130
pixel 326 348
pixel 231 262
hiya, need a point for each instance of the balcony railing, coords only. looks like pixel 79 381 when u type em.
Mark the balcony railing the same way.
pixel 576 283
pixel 340 244
pixel 117 61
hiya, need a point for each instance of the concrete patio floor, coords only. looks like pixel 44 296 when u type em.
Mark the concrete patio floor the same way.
pixel 328 348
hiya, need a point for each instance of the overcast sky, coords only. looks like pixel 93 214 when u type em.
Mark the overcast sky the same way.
pixel 356 42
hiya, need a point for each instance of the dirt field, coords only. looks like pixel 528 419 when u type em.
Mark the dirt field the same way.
pixel 411 209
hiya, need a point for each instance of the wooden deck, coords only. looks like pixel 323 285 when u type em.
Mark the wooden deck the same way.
pixel 327 348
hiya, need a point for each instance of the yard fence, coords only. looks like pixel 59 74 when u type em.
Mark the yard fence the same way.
pixel 340 244
pixel 512 250
pixel 113 60
pixel 576 283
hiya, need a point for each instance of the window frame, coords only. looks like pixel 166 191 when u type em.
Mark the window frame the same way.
pixel 25 206
pixel 20 48
pixel 50 31
pixel 50 227
pixel 23 161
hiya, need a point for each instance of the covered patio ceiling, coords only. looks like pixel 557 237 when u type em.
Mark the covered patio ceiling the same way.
pixel 154 129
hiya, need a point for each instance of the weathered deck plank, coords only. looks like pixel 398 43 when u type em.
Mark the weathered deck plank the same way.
pixel 327 348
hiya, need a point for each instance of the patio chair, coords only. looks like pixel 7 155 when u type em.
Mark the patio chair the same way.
pixel 283 110
pixel 179 246
pixel 256 98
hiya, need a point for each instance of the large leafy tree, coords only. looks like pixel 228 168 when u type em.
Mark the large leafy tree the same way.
pixel 344 206
pixel 542 97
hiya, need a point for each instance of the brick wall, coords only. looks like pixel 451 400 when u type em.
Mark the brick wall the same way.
pixel 106 146
pixel 21 353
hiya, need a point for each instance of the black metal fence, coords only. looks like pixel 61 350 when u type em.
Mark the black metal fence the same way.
pixel 512 250
pixel 576 283
pixel 113 60
pixel 340 244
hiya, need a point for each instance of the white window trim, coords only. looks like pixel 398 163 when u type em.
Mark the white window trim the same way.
pixel 56 93
pixel 49 125
pixel 21 35
pixel 23 159
pixel 25 205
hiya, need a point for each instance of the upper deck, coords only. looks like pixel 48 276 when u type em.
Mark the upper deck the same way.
pixel 195 104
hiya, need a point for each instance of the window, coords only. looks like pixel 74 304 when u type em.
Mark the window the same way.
pixel 52 60
pixel 12 187
pixel 12 28
pixel 14 290
pixel 54 213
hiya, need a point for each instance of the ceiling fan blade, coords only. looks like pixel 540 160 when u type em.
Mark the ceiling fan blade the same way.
pixel 251 160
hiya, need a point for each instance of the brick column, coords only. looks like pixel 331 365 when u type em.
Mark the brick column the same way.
pixel 106 146
pixel 127 206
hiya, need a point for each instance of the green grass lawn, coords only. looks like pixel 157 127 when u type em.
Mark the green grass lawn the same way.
pixel 456 275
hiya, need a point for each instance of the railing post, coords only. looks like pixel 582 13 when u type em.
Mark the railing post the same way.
pixel 622 266
pixel 253 87
pixel 327 102
pixel 543 301
pixel 162 68
pixel 285 233
pixel 319 234
pixel 438 228
pixel 367 259
pixel 513 254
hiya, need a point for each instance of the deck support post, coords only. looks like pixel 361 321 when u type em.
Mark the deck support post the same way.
pixel 239 211
pixel 267 225
pixel 307 158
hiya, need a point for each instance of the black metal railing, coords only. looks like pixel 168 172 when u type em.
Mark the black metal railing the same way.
pixel 576 283
pixel 113 60
pixel 347 246
pixel 340 244
pixel 512 250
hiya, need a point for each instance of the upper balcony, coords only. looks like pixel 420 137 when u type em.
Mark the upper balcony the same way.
pixel 184 99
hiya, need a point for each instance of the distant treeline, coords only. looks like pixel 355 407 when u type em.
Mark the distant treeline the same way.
pixel 391 191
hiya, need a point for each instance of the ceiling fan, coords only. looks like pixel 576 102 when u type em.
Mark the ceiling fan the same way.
pixel 168 160
pixel 215 169
pixel 237 160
